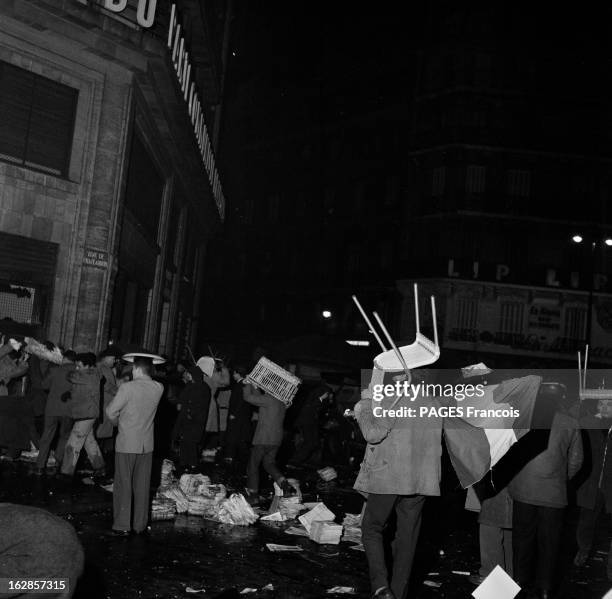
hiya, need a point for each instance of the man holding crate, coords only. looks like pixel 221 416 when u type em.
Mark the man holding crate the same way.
pixel 266 441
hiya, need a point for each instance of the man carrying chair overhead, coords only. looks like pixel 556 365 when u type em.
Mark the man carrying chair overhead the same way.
pixel 402 462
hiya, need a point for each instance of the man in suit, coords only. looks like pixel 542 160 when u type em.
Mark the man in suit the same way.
pixel 133 411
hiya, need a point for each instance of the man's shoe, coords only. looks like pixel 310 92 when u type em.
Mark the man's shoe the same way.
pixel 143 533
pixel 383 593
pixel 545 594
pixel 581 558
pixel 253 499
pixel 120 533
pixel 38 472
pixel 476 579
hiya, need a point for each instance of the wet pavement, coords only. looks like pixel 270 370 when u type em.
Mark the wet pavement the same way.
pixel 190 552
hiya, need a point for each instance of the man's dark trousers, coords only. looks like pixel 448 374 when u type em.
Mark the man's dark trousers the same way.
pixel 132 477
pixel 536 537
pixel 377 513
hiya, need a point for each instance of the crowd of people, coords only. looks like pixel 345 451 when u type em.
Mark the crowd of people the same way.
pixel 119 411
pixel 75 410
pixel 521 505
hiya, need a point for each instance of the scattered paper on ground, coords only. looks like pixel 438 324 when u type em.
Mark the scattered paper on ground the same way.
pixel 190 590
pixel 275 517
pixel 460 572
pixel 341 591
pixel 268 587
pixel 431 583
pixel 247 591
pixel 497 585
pixel 277 548
pixel 295 530
pixel 318 513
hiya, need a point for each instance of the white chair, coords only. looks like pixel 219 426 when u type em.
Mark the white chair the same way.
pixel 421 352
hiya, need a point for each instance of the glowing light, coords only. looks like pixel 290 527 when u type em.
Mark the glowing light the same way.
pixel 577 238
pixel 326 314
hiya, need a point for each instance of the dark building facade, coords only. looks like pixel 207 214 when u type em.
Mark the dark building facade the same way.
pixel 510 158
pixel 470 151
pixel 316 183
pixel 110 192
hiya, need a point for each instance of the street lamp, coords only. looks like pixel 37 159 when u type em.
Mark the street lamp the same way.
pixel 326 314
pixel 594 242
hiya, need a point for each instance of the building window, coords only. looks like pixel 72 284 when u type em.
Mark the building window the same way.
pixel 36 120
pixel 438 181
pixel 511 318
pixel 575 323
pixel 466 314
pixel 19 304
pixel 519 183
pixel 475 179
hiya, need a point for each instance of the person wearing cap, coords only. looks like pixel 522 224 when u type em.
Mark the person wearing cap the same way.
pixel 133 410
pixel 84 406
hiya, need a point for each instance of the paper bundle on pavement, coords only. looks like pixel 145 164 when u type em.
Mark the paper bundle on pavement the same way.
pixel 296 531
pixel 191 483
pixel 352 528
pixel 275 517
pixel 325 533
pixel 281 548
pixel 318 512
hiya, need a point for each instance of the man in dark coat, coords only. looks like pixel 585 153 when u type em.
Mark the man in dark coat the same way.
pixel 307 424
pixel 539 492
pixel 238 434
pixel 36 544
pixel 191 421
pixel 594 494
pixel 57 412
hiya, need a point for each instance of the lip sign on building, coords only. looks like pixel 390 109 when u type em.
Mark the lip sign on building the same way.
pixel 502 272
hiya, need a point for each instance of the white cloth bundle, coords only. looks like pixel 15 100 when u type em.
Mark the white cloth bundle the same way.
pixel 38 349
pixel 236 510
